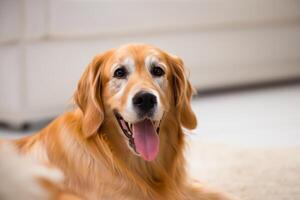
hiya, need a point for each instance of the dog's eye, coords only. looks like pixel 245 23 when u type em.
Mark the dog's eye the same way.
pixel 120 73
pixel 157 71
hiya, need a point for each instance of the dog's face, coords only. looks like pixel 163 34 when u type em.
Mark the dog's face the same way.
pixel 135 84
pixel 138 84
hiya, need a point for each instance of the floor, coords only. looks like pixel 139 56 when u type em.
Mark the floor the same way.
pixel 257 118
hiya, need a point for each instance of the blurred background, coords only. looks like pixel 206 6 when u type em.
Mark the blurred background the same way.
pixel 243 57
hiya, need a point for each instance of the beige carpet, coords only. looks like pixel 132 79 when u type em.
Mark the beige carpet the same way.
pixel 247 173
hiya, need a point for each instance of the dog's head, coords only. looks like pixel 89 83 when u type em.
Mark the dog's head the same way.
pixel 137 85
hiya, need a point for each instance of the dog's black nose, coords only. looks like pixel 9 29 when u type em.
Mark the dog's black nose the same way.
pixel 144 101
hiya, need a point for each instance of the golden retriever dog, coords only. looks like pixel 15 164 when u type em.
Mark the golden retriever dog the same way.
pixel 124 140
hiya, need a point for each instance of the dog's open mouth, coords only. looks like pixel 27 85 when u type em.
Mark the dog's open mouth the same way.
pixel 142 136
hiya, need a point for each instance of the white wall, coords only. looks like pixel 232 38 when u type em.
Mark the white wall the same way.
pixel 45 45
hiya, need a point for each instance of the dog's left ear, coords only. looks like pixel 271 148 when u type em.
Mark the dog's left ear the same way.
pixel 183 92
pixel 88 96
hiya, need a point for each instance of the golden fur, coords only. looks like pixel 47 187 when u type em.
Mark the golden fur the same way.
pixel 87 146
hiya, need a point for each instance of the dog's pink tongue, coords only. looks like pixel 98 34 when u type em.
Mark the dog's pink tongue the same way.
pixel 146 140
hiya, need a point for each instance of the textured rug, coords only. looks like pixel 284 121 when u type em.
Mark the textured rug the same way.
pixel 247 173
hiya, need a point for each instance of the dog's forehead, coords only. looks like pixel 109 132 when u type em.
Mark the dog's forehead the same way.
pixel 138 53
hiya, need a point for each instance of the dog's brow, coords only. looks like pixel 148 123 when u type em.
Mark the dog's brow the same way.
pixel 127 62
pixel 114 66
pixel 152 59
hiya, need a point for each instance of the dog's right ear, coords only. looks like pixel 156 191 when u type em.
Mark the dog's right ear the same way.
pixel 88 96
